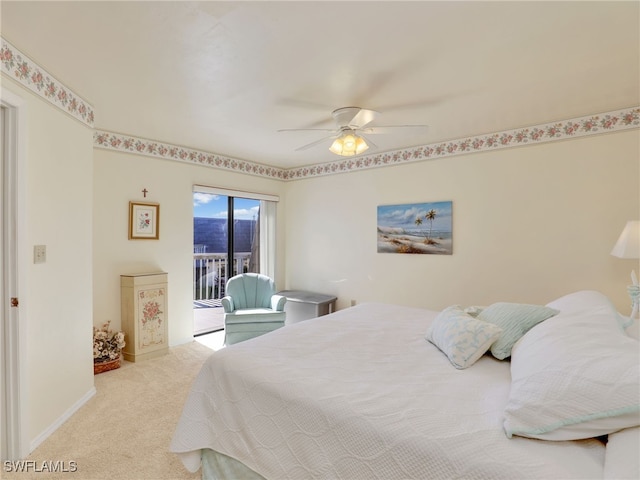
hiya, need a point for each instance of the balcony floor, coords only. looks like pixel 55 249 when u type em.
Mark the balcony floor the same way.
pixel 207 318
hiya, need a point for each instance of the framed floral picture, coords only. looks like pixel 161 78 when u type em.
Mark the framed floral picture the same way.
pixel 144 221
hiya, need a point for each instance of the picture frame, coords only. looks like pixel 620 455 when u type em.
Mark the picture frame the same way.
pixel 419 228
pixel 144 221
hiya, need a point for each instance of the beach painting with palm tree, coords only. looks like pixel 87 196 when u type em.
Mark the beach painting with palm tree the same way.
pixel 415 228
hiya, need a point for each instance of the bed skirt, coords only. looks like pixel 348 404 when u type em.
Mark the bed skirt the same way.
pixel 217 466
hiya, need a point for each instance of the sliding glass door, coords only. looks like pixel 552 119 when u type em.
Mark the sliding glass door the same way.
pixel 230 236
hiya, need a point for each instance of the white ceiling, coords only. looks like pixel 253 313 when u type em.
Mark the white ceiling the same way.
pixel 225 76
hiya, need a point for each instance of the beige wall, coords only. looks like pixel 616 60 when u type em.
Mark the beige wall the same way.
pixel 529 224
pixel 56 303
pixel 120 178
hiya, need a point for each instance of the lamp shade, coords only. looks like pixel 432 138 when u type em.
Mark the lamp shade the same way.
pixel 348 144
pixel 628 245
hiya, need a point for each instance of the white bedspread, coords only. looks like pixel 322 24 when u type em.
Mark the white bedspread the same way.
pixel 361 394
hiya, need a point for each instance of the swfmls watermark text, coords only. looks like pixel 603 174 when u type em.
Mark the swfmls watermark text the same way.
pixel 42 466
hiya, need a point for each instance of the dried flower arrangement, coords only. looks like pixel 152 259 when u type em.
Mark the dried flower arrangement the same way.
pixel 107 344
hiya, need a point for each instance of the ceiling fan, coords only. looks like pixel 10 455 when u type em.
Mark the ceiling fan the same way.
pixel 350 134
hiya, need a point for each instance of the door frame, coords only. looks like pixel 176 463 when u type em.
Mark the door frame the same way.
pixel 13 338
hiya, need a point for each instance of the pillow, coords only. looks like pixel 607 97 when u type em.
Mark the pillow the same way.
pixel 584 300
pixel 473 310
pixel 590 300
pixel 515 319
pixel 462 338
pixel 573 377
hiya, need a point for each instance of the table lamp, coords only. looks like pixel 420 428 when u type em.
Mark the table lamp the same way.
pixel 628 246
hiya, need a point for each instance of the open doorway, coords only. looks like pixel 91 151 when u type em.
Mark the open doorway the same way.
pixel 226 242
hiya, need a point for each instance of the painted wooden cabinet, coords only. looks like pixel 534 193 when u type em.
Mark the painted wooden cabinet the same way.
pixel 144 315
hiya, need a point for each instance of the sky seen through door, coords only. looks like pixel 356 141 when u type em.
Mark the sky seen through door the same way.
pixel 208 205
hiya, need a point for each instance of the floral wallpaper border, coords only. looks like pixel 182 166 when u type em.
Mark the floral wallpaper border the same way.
pixel 590 125
pixel 141 146
pixel 25 71
pixel 578 127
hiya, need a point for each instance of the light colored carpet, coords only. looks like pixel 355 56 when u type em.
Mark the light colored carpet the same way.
pixel 124 431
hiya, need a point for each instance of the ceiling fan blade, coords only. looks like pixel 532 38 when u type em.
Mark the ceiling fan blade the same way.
pixel 369 88
pixel 345 115
pixel 304 104
pixel 362 118
pixel 325 122
pixel 313 144
pixel 370 142
pixel 424 103
pixel 384 129
pixel 333 130
pixel 414 104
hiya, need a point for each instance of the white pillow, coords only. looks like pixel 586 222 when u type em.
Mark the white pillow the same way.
pixel 573 376
pixel 588 301
pixel 515 319
pixel 474 310
pixel 462 338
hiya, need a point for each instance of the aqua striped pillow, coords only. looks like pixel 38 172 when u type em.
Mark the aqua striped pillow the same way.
pixel 515 319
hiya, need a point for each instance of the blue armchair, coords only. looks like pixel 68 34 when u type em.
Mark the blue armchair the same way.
pixel 251 307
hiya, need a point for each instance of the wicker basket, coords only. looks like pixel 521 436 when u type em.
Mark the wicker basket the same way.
pixel 106 366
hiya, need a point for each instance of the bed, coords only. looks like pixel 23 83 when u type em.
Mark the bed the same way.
pixel 381 391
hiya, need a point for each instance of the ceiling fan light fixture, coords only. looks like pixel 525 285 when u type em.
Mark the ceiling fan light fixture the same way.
pixel 348 144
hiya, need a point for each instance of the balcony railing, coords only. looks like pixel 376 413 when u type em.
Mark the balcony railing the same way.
pixel 210 273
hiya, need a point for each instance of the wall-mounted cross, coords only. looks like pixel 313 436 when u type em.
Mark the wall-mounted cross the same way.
pixel 144 192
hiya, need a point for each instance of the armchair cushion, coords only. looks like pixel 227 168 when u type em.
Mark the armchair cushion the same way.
pixel 253 315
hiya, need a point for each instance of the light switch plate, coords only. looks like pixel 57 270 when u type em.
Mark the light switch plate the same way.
pixel 39 253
